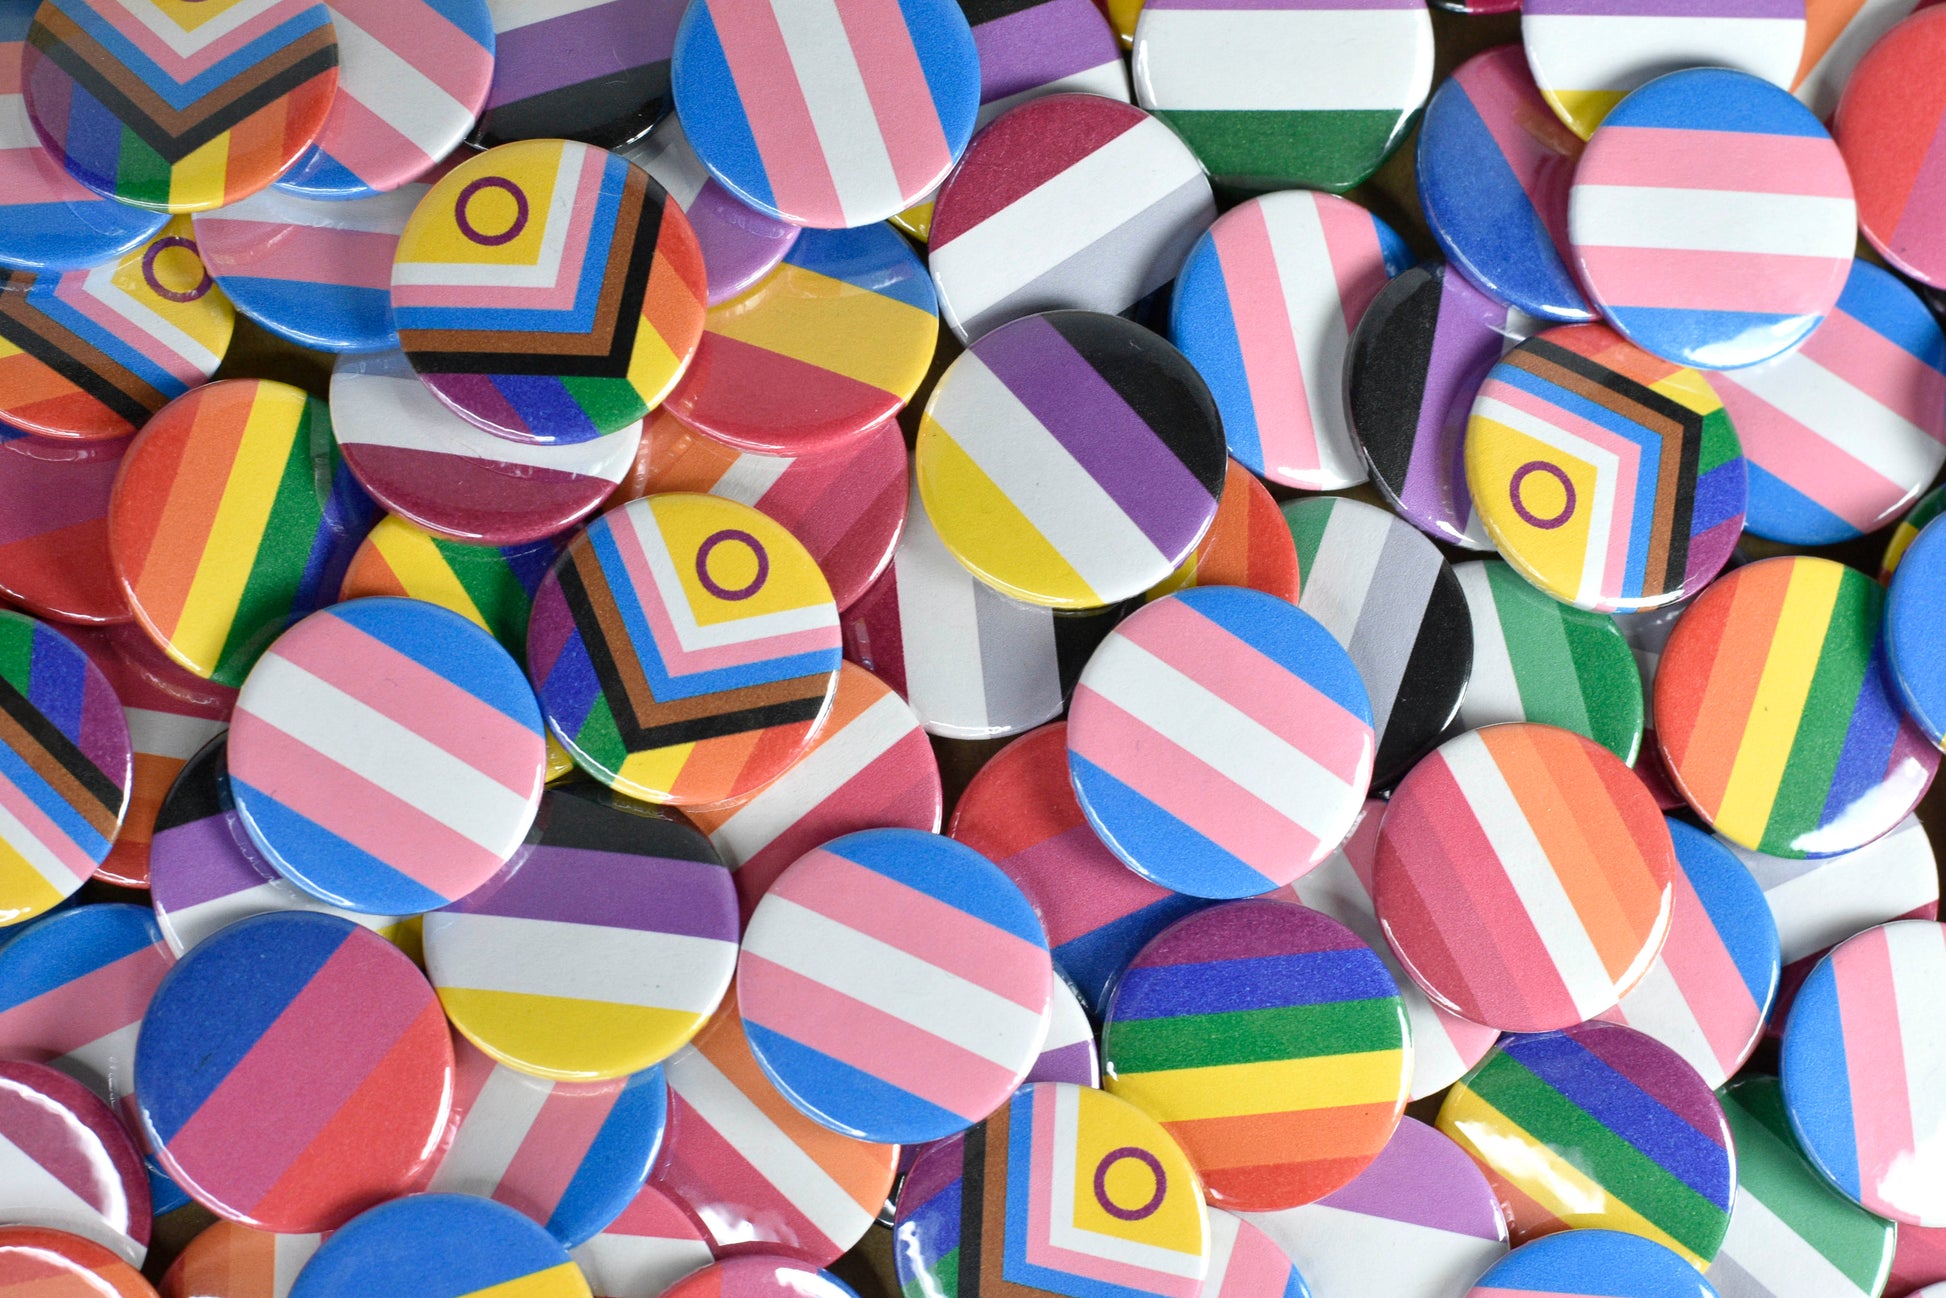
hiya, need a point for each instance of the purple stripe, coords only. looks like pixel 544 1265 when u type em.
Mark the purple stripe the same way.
pixel 578 47
pixel 1645 1062
pixel 1463 349
pixel 1423 1179
pixel 1075 1063
pixel 1092 422
pixel 1260 5
pixel 1668 8
pixel 1039 46
pixel 574 885
pixel 201 861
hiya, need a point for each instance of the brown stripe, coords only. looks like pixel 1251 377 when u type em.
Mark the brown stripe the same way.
pixel 103 820
pixel 75 358
pixel 769 694
pixel 598 603
pixel 1600 394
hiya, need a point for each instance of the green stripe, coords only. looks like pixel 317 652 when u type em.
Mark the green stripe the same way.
pixel 1720 444
pixel 1276 149
pixel 1550 691
pixel 1254 1036
pixel 489 581
pixel 141 174
pixel 1611 683
pixel 610 403
pixel 1307 519
pixel 599 739
pixel 17 653
pixel 1820 741
pixel 283 550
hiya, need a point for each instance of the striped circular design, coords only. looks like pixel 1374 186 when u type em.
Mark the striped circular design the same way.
pixel 179 111
pixel 1838 34
pixel 93 354
pixel 1712 219
pixel 1564 457
pixel 592 72
pixel 740 244
pixel 846 504
pixel 1265 308
pixel 1888 124
pixel 1912 613
pixel 1493 180
pixel 1564 1266
pixel 54 543
pixel 1270 1041
pixel 1247 544
pixel 570 1156
pixel 65 767
pixel 685 649
pixel 895 985
pixel 36 1262
pixel 1532 820
pixel 601 954
pixel 1246 1263
pixel 832 343
pixel 871 766
pixel 1790 1232
pixel 491 587
pixel 756 1174
pixel 1031 48
pixel 249 1033
pixel 1537 659
pixel 1777 715
pixel 230 1260
pixel 641 1253
pixel 1379 586
pixel 1067 201
pixel 1306 93
pixel 1070 459
pixel 548 291
pixel 1598 1126
pixel 1844 432
pixel 71 1165
pixel 1930 506
pixel 442 1246
pixel 386 756
pixel 760 1277
pixel 1859 1063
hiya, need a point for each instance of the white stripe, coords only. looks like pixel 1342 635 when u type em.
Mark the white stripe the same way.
pixel 170 734
pixel 1601 510
pixel 16 127
pixel 185 43
pixel 907 987
pixel 1068 1023
pixel 378 214
pixel 1223 737
pixel 1712 220
pixel 1223 1228
pixel 1826 80
pixel 490 1133
pixel 512 15
pixel 1657 1006
pixel 1057 219
pixel 1343 1254
pixel 395 91
pixel 543 272
pixel 691 634
pixel 100 285
pixel 350 732
pixel 638 1266
pixel 840 106
pixel 1878 437
pixel 940 630
pixel 1783 1262
pixel 1820 903
pixel 798 1177
pixel 1492 691
pixel 105 1065
pixel 750 476
pixel 1620 52
pixel 1062 1204
pixel 1109 80
pixel 1521 857
pixel 838 756
pixel 288 1254
pixel 1289 60
pixel 32 1195
pixel 1918 957
pixel 1060 499
pixel 584 962
pixel 668 157
pixel 186 926
pixel 33 851
pixel 1345 569
pixel 1309 284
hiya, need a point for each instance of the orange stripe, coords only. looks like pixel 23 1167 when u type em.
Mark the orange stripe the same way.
pixel 1727 674
pixel 1618 902
pixel 180 517
pixel 1302 1136
pixel 370 573
pixel 674 299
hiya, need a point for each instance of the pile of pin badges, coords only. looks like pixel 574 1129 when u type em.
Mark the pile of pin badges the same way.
pixel 560 737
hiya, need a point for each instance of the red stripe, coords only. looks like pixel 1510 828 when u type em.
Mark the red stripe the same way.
pixel 1021 151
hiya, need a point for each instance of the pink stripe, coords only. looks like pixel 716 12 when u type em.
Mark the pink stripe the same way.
pixel 1255 684
pixel 1881 1110
pixel 1807 460
pixel 1271 363
pixel 1357 263
pixel 1881 369
pixel 417 699
pixel 1539 150
pixel 925 928
pixel 552 1150
pixel 703 1167
pixel 32 178
pixel 45 831
pixel 307 253
pixel 1186 787
pixel 368 145
pixel 87 1008
pixel 10 74
pixel 1628 454
pixel 1105 890
pixel 874 1042
pixel 472 1069
pixel 1918 237
pixel 901 99
pixel 1656 157
pixel 185 69
pixel 73 290
pixel 436 49
pixel 780 120
pixel 1694 280
pixel 1257 1269
pixel 1708 978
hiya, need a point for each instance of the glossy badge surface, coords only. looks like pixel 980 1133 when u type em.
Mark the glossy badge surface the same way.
pixel 1912 652
pixel 56 1264
pixel 1888 124
pixel 1930 506
pixel 490 586
pixel 71 1163
pixel 1247 544
pixel 442 1246
pixel 598 73
pixel 641 1253
pixel 1621 1265
pixel 54 548
pixel 760 1277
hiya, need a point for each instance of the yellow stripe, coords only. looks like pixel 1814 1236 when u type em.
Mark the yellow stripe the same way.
pixel 1582 110
pixel 652 774
pixel 196 182
pixel 987 532
pixel 652 365
pixel 566 1038
pixel 563 1281
pixel 422 570
pixel 238 528
pixel 836 326
pixel 1778 707
pixel 8 349
pixel 1276 1086
pixel 24 891
pixel 559 763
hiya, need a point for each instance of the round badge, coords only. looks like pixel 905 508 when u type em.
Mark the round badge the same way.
pixel 1838 34
pixel 1912 652
pixel 233 517
pixel 598 73
pixel 1599 1126
pixel 1494 166
pixel 321 1039
pixel 1032 48
pixel 846 504
pixel 600 953
pixel 1478 6
pixel 1421 351
pixel 1777 715
pixel 972 663
pixel 1710 990
pixel 205 874
pixel 571 1156
pixel 1443 1044
pixel 423 65
pixel 831 344
pixel 1288 94
pixel 760 1277
pixel 1265 307
pixel 441 1246
pixel 1625 1266
pixel 54 549
pixel 1647 633
pixel 1918 1260
pixel 757 1174
pixel 230 1260
pixel 1067 201
pixel 72 1165
pixel 491 587
pixel 1270 1041
pixel 832 118
pixel 1247 1263
pixel 685 649
pixel 1858 1071
pixel 1419 1222
pixel 1070 459
pixel 66 767
pixel 1220 742
pixel 871 766
pixel 1386 594
pixel 1587 54
pixel 548 291
pixel 1537 659
pixel 1790 1232
pixel 1888 125
pixel 895 985
pixel 1547 824
pixel 1564 452
pixel 93 354
pixel 1930 506
pixel 77 983
pixel 56 1264
pixel 1055 1162
pixel 641 1253
pixel 1247 544
pixel 1845 431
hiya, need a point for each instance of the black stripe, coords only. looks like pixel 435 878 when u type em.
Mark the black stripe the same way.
pixel 608 110
pixel 1386 374
pixel 65 752
pixel 82 375
pixel 1595 372
pixel 722 724
pixel 1682 510
pixel 586 816
pixel 986 11
pixel 200 790
pixel 1434 682
pixel 972 1207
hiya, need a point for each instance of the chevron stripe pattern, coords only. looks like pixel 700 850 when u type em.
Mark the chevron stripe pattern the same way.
pixel 549 291
pixel 179 107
